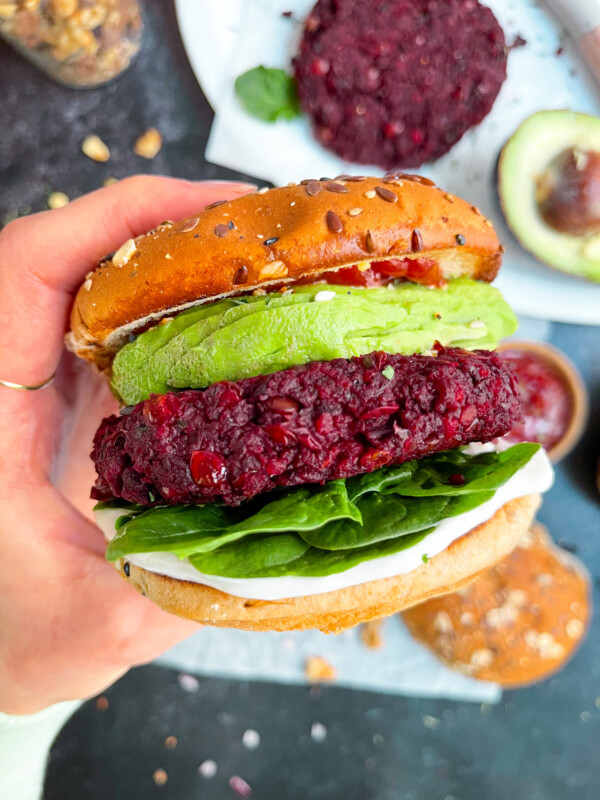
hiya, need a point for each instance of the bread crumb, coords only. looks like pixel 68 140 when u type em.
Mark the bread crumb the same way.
pixel 370 634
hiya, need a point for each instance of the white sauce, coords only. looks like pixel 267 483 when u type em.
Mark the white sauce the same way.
pixel 535 477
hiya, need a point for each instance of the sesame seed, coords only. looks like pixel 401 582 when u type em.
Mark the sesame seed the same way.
pixel 371 194
pixel 323 297
pixel 271 241
pixel 354 212
pixel 190 224
pixel 221 230
pixel 313 188
pixel 334 223
pixel 574 628
pixel 259 236
pixel 89 274
pixel 386 194
pixel 215 204
pixel 488 222
pixel 354 178
pixel 231 224
pixel 168 256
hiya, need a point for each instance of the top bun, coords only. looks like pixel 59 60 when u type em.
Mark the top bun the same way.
pixel 273 237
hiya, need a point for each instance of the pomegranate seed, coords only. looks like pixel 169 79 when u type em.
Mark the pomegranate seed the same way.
pixel 160 409
pixel 208 469
pixel 457 479
pixel 319 66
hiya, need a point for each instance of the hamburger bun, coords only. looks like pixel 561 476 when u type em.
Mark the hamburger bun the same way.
pixel 273 237
pixel 333 612
pixel 517 622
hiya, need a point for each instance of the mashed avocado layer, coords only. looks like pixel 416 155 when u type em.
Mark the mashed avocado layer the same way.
pixel 246 336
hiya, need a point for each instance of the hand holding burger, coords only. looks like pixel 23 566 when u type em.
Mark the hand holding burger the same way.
pixel 69 625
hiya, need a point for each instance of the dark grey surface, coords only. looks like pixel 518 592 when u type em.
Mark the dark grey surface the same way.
pixel 539 744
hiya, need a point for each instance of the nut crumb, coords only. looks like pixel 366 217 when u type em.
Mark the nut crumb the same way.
pixel 87 285
pixel 93 147
pixel 149 144
pixel 124 253
pixel 274 269
pixel 318 669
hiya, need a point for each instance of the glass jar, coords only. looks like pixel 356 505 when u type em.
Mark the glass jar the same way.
pixel 81 43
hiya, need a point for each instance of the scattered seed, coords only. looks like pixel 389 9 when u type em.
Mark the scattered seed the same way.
pixel 102 703
pixel 259 236
pixel 460 239
pixel 188 682
pixel 89 274
pixel 215 204
pixel 354 178
pixel 251 739
pixel 168 256
pixel 239 786
pixel 189 224
pixel 57 200
pixel 274 269
pixel 221 230
pixel 324 297
pixel 293 204
pixel 386 194
pixel 371 194
pixel 369 242
pixel 318 732
pixel 88 285
pixel 149 144
pixel 263 190
pixel 306 181
pixel 231 225
pixel 124 253
pixel 208 769
pixel 416 241
pixel 93 147
pixel 354 212
pixel 342 178
pixel 334 223
pixel 171 742
pixel 339 188
pixel 241 276
pixel 313 188
pixel 160 777
pixel 449 198
pixel 272 240
pixel 433 723
pixel 324 179
pixel 110 181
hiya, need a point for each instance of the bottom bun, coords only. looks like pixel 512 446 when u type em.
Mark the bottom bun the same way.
pixel 333 612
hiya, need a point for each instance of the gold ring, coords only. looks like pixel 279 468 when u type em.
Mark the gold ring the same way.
pixel 23 388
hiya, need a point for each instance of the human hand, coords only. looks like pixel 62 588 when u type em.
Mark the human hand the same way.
pixel 69 625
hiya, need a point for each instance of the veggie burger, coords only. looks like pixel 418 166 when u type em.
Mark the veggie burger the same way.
pixel 304 372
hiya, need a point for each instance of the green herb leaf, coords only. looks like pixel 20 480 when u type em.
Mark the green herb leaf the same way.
pixel 269 94
pixel 388 372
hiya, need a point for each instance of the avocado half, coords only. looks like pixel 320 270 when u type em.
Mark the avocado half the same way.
pixel 544 146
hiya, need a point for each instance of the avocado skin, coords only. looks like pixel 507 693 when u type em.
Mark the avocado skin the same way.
pixel 257 335
pixel 523 160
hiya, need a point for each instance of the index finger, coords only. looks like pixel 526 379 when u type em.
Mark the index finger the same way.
pixel 44 258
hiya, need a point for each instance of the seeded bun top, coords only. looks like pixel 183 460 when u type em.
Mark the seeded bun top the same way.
pixel 273 237
pixel 517 622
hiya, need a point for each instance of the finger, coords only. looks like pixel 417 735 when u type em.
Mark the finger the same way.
pixel 44 258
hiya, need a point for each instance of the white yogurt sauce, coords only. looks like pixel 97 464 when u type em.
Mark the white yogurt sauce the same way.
pixel 535 477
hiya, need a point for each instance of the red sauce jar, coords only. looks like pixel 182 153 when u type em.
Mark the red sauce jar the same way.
pixel 554 397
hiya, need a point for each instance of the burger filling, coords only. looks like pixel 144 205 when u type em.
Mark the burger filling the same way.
pixel 310 432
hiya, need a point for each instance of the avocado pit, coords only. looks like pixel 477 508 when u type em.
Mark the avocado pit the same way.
pixel 568 192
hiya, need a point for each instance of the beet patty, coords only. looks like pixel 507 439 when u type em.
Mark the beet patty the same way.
pixel 307 424
pixel 398 82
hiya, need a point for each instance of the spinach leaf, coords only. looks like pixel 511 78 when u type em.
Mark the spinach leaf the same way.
pixel 269 94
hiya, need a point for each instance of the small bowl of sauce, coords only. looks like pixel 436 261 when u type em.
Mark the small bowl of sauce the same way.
pixel 555 400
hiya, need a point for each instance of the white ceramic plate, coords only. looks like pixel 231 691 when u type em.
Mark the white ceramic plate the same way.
pixel 222 38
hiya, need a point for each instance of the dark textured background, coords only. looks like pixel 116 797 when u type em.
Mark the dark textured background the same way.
pixel 538 744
